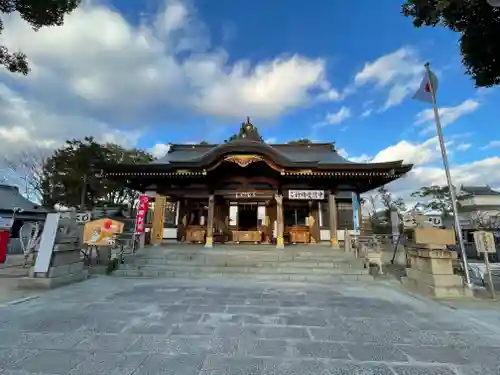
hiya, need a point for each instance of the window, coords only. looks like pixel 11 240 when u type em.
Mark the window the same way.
pixel 296 215
pixel 344 215
pixel 345 218
pixel 170 215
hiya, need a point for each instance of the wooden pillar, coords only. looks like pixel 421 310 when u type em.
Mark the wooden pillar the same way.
pixel 209 242
pixel 158 219
pixel 314 222
pixel 280 242
pixel 332 211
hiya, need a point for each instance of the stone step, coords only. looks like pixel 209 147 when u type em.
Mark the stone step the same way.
pixel 256 257
pixel 269 277
pixel 248 270
pixel 340 263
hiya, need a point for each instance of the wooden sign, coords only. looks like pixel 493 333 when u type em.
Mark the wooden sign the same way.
pixel 484 241
pixel 306 194
pixel 101 232
pixel 246 194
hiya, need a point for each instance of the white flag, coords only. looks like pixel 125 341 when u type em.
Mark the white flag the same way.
pixel 424 91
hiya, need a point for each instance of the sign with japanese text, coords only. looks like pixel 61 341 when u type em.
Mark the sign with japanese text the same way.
pixel 306 194
pixel 142 209
pixel 484 241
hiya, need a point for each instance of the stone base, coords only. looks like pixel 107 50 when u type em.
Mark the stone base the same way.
pixel 51 282
pixel 439 292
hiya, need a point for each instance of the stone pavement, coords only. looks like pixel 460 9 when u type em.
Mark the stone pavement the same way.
pixel 117 326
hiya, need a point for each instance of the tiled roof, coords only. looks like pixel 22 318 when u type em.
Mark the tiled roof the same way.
pixel 478 190
pixel 10 198
pixel 323 153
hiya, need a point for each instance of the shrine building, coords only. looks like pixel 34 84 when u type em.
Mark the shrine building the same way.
pixel 247 191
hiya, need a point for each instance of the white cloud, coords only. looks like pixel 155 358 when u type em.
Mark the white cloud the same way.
pixel 338 117
pixel 463 146
pixel 448 115
pixel 367 113
pixel 159 149
pixel 428 170
pixel 491 144
pixel 399 72
pixel 98 70
pixel 29 125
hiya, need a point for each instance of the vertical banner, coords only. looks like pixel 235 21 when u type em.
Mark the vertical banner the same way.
pixel 142 209
pixel 355 212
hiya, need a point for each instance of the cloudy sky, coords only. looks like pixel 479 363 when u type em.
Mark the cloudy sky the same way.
pixel 149 73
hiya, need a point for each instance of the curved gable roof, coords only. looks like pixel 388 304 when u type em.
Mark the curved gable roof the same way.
pixel 284 153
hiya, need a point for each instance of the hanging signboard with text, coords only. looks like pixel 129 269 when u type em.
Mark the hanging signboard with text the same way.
pixel 306 194
pixel 484 241
pixel 142 209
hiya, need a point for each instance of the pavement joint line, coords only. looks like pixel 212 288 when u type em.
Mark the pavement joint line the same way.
pixel 19 301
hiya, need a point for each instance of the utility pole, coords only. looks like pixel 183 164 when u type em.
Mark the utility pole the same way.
pixel 84 193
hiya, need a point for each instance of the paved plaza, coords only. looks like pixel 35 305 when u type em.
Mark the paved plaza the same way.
pixel 118 326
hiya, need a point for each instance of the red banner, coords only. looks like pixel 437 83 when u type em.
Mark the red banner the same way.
pixel 142 209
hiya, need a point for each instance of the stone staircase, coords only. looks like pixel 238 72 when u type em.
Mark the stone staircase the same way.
pixel 314 263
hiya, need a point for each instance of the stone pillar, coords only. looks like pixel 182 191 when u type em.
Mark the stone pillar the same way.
pixel 280 242
pixel 332 211
pixel 431 264
pixel 158 220
pixel 347 241
pixel 210 222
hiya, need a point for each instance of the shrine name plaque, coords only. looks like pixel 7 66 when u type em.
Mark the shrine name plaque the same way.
pixel 306 194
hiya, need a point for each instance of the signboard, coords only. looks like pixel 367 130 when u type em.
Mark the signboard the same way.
pixel 246 194
pixel 83 217
pixel 306 194
pixel 142 210
pixel 355 212
pixel 435 221
pixel 47 241
pixel 101 232
pixel 6 222
pixel 484 241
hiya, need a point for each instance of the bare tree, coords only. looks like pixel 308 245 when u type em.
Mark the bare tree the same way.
pixel 25 170
pixel 486 220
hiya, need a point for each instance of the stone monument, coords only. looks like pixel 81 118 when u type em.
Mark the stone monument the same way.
pixel 66 264
pixel 431 264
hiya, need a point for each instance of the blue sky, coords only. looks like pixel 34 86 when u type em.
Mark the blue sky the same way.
pixel 151 73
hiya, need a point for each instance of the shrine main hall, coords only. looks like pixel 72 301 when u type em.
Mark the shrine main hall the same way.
pixel 248 191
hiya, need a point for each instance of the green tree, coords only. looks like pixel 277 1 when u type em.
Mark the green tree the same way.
pixel 70 175
pixel 203 143
pixel 436 198
pixel 389 202
pixel 38 14
pixel 478 26
pixel 301 141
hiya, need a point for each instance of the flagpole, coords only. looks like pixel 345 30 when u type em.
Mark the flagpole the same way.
pixel 458 228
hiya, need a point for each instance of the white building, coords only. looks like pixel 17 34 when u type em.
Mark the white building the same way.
pixel 479 207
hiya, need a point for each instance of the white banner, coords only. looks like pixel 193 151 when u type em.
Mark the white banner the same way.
pixel 6 222
pixel 47 241
pixel 306 194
